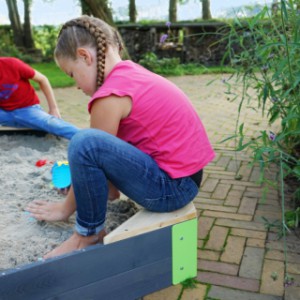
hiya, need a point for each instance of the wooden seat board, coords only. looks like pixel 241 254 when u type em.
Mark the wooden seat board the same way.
pixel 144 221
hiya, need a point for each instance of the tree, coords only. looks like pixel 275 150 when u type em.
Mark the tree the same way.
pixel 206 14
pixel 173 10
pixel 132 11
pixel 27 30
pixel 15 23
pixel 99 9
pixel 22 34
pixel 85 9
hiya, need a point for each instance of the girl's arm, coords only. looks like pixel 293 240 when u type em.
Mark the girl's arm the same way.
pixel 106 114
pixel 46 88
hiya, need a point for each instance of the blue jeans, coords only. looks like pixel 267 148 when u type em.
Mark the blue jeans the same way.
pixel 35 117
pixel 96 157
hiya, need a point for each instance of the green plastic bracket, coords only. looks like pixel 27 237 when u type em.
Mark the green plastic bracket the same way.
pixel 184 250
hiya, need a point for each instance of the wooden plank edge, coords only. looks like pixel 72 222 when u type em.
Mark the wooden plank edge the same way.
pixel 7 128
pixel 129 228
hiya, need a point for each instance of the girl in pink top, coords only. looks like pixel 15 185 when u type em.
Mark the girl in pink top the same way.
pixel 146 140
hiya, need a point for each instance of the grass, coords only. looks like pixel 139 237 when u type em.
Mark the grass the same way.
pixel 59 79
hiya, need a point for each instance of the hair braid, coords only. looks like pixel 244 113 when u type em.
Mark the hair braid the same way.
pixel 100 42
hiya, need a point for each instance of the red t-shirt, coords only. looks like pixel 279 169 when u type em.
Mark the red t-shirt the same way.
pixel 15 88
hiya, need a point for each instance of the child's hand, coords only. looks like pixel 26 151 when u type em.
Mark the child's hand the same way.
pixel 47 211
pixel 55 112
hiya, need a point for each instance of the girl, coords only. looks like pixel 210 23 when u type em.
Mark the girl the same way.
pixel 146 139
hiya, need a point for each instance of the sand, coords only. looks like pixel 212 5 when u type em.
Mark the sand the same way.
pixel 23 239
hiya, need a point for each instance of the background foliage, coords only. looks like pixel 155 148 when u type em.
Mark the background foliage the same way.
pixel 268 61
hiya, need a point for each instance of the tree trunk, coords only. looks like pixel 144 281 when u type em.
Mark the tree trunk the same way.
pixel 85 9
pixel 15 23
pixel 173 10
pixel 206 14
pixel 132 11
pixel 100 9
pixel 28 39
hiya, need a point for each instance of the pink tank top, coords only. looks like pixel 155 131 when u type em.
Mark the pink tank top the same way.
pixel 162 122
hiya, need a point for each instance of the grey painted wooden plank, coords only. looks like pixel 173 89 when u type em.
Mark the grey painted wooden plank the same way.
pixel 43 280
pixel 129 285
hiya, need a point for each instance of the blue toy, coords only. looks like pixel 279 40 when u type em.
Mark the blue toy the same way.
pixel 61 176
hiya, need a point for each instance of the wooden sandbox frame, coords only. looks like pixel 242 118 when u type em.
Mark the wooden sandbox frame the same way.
pixel 148 252
pixel 24 131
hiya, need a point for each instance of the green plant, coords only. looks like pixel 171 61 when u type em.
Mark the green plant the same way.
pixel 7 48
pixel 45 39
pixel 292 218
pixel 162 66
pixel 172 66
pixel 265 54
pixel 190 283
pixel 264 51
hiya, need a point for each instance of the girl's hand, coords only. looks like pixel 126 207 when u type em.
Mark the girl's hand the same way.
pixel 48 211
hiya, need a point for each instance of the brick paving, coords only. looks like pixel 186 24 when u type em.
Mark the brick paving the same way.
pixel 238 256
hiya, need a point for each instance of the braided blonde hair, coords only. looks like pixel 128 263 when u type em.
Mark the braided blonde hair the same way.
pixel 87 31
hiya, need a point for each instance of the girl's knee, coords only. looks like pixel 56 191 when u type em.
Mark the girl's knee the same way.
pixel 87 135
pixel 85 140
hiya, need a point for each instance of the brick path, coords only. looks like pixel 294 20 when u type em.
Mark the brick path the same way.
pixel 238 258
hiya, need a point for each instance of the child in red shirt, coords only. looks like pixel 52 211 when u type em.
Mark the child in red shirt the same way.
pixel 20 105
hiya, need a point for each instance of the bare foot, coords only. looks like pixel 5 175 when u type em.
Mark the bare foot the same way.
pixel 63 191
pixel 76 242
pixel 114 195
pixel 113 192
pixel 48 211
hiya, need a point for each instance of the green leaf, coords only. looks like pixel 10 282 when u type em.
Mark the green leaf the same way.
pixel 243 146
pixel 284 10
pixel 296 171
pixel 228 138
pixel 241 128
pixel 275 114
pixel 265 92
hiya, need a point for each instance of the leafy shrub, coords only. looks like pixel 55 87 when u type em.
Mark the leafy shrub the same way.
pixel 45 39
pixel 172 66
pixel 164 66
pixel 7 48
pixel 265 54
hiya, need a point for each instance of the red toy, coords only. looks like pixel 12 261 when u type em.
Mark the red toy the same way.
pixel 41 162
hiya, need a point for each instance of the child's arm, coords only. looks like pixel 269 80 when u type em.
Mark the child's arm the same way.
pixel 106 114
pixel 46 88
